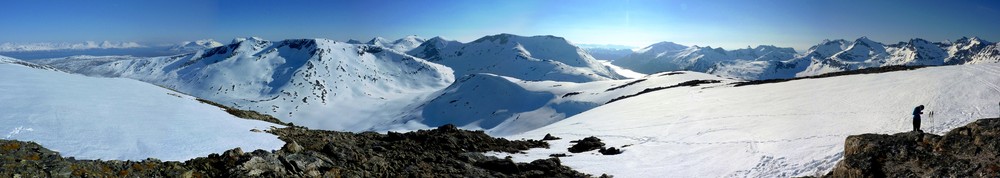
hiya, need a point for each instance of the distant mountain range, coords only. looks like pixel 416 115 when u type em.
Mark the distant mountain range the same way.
pixel 503 83
pixel 192 46
pixel 525 87
pixel 769 62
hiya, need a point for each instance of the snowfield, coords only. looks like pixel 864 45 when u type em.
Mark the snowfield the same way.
pixel 794 128
pixel 121 119
pixel 504 105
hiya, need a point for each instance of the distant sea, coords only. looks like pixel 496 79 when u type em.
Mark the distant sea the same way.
pixel 139 52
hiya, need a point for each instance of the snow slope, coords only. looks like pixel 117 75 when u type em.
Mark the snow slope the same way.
pixel 504 105
pixel 532 58
pixel 316 83
pixel 785 129
pixel 122 119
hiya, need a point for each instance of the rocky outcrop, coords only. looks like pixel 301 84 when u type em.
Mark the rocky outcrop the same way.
pixel 969 151
pixel 586 144
pixel 442 152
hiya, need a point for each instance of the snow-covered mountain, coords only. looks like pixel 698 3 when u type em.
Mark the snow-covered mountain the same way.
pixel 28 47
pixel 606 52
pixel 972 51
pixel 122 119
pixel 401 45
pixel 317 83
pixel 864 53
pixel 768 62
pixel 668 56
pixel 532 58
pixel 197 45
pixel 504 105
pixel 787 129
pixel 779 68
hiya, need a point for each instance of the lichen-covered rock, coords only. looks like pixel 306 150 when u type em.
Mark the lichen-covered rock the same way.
pixel 969 151
pixel 443 152
pixel 586 144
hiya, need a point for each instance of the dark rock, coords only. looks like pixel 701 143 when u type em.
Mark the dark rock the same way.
pixel 586 144
pixel 443 152
pixel 558 155
pixel 292 147
pixel 550 137
pixel 610 151
pixel 969 151
pixel 506 166
pixel 874 70
pixel 690 83
pixel 447 127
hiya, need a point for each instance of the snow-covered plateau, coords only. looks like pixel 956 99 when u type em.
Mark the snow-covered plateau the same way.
pixel 794 128
pixel 116 118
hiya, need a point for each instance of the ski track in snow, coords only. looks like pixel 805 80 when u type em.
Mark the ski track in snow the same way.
pixel 16 131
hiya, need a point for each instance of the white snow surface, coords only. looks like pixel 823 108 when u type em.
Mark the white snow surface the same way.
pixel 505 105
pixel 622 71
pixel 793 128
pixel 318 83
pixel 119 119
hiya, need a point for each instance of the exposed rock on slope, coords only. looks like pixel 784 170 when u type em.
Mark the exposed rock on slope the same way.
pixel 969 151
pixel 443 152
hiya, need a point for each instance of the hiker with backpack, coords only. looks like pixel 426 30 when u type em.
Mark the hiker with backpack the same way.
pixel 916 118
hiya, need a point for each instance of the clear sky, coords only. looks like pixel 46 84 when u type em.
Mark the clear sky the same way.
pixel 717 23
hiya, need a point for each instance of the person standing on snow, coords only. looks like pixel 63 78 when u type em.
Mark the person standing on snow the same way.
pixel 916 118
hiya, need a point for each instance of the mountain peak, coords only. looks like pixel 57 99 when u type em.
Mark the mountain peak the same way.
pixel 241 39
pixel 664 46
pixel 976 39
pixel 353 41
pixel 377 40
pixel 865 40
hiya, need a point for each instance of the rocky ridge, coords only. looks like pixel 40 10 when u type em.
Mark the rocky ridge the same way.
pixel 969 151
pixel 442 152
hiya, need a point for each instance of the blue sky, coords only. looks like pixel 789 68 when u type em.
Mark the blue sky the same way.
pixel 717 23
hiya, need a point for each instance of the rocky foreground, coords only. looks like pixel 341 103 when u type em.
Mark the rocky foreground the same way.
pixel 442 152
pixel 969 151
